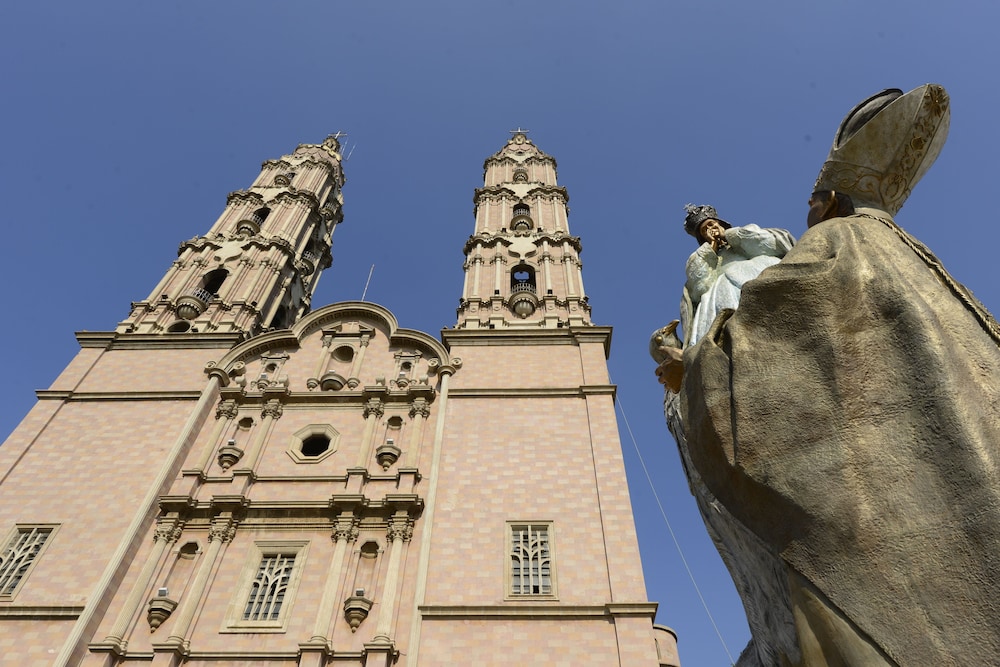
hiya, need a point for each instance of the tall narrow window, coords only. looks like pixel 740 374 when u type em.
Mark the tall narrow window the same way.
pixel 263 600
pixel 530 561
pixel 269 587
pixel 19 555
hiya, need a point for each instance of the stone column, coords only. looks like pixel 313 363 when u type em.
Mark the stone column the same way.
pixel 272 410
pixel 355 378
pixel 344 533
pixel 228 410
pixel 497 273
pixel 374 409
pixel 567 260
pixel 419 411
pixel 477 263
pixel 222 531
pixel 400 531
pixel 322 364
pixel 167 533
pixel 547 266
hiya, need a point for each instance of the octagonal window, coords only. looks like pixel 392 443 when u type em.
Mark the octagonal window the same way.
pixel 313 443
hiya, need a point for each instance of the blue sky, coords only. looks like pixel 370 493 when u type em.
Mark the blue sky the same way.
pixel 126 124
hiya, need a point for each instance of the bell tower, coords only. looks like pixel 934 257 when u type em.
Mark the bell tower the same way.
pixel 258 265
pixel 522 267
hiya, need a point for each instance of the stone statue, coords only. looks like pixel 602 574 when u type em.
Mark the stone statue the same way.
pixel 726 258
pixel 842 426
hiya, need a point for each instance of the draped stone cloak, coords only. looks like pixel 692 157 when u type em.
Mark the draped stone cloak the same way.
pixel 848 413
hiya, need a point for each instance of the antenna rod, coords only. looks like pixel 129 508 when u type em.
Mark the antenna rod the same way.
pixel 370 272
pixel 352 152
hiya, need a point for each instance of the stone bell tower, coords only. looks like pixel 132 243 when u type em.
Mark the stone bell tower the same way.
pixel 258 265
pixel 522 266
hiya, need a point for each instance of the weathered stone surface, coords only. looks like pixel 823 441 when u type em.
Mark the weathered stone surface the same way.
pixel 848 417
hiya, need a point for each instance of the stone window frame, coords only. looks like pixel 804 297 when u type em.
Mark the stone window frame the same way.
pixel 260 550
pixel 299 438
pixel 509 560
pixel 10 540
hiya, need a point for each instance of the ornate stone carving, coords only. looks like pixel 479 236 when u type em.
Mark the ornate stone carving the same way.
pixel 400 528
pixel 421 407
pixel 168 531
pixel 227 409
pixel 374 406
pixel 272 408
pixel 223 530
pixel 346 528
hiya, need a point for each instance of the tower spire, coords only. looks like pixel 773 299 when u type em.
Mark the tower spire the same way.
pixel 522 266
pixel 258 265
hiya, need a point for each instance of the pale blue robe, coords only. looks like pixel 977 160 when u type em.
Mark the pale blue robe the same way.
pixel 715 281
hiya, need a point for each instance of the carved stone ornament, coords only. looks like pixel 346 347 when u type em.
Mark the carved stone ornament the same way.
pixel 374 406
pixel 420 407
pixel 346 530
pixel 272 408
pixel 159 610
pixel 227 409
pixel 386 454
pixel 400 528
pixel 356 610
pixel 229 455
pixel 167 532
pixel 223 532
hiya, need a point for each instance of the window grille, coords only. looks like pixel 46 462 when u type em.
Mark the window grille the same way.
pixel 20 554
pixel 530 560
pixel 269 587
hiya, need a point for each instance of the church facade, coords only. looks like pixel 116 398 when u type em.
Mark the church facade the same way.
pixel 232 477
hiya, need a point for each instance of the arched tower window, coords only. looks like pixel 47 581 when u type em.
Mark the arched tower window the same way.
pixel 523 291
pixel 522 279
pixel 260 215
pixel 213 280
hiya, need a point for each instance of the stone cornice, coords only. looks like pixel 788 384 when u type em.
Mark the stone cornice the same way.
pixel 490 239
pixel 110 340
pixel 502 157
pixel 556 191
pixel 50 395
pixel 344 398
pixel 490 191
pixel 40 612
pixel 204 515
pixel 297 196
pixel 566 336
pixel 299 162
pixel 537 610
pixel 243 196
pixel 533 392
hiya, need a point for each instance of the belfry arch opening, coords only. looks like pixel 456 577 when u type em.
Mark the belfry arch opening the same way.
pixel 260 215
pixel 212 282
pixel 522 279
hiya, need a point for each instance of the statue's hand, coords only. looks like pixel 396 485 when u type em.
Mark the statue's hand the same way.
pixel 664 336
pixel 670 372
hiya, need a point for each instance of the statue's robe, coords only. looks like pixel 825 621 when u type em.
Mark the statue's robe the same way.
pixel 848 414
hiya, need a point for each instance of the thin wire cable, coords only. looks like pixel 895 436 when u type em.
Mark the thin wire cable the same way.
pixel 677 544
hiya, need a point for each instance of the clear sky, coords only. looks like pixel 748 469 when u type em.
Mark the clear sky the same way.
pixel 126 124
